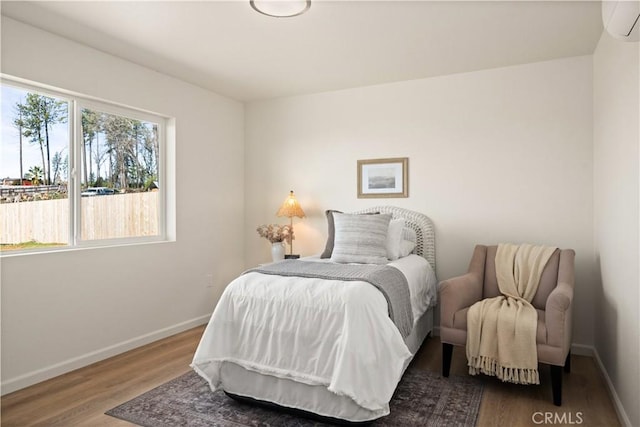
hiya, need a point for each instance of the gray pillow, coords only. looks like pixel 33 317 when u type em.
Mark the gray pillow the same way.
pixel 360 238
pixel 328 247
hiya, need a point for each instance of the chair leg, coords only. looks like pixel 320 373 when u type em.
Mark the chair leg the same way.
pixel 447 351
pixel 567 363
pixel 556 384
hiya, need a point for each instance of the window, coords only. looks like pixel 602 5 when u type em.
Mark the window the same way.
pixel 77 172
pixel 119 179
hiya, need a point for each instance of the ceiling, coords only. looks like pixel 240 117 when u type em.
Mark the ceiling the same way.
pixel 227 47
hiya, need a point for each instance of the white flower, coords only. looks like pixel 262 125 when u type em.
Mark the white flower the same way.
pixel 276 233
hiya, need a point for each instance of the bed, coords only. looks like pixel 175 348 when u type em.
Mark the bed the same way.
pixel 327 346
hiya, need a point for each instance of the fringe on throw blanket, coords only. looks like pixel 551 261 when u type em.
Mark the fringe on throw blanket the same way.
pixel 489 366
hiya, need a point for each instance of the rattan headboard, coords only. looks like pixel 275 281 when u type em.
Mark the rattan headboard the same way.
pixel 426 240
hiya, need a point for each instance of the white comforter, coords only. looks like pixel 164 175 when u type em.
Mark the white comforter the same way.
pixel 337 334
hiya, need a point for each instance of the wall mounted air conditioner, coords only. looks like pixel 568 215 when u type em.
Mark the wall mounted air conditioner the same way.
pixel 621 19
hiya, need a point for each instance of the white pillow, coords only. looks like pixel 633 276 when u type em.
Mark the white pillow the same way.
pixel 406 248
pixel 360 238
pixel 409 234
pixel 394 238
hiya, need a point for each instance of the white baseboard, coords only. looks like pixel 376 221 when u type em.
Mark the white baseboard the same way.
pixel 582 350
pixel 622 414
pixel 48 372
pixel 590 351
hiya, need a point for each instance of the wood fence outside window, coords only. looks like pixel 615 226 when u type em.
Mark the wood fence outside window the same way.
pixel 103 217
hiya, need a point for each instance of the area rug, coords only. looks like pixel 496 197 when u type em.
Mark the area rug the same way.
pixel 422 399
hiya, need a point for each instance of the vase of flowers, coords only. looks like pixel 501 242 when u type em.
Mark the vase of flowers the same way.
pixel 277 235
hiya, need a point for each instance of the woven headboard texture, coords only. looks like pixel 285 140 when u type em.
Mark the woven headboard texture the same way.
pixel 420 223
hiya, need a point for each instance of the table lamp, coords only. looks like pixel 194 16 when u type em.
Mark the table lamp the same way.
pixel 291 208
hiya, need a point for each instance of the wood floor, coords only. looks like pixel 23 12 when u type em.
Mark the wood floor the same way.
pixel 81 397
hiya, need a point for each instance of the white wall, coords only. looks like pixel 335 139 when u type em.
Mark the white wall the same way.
pixel 494 156
pixel 62 310
pixel 616 188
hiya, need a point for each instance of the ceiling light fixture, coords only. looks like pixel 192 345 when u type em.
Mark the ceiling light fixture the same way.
pixel 281 8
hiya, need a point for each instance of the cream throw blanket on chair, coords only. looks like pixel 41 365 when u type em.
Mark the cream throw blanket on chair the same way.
pixel 501 331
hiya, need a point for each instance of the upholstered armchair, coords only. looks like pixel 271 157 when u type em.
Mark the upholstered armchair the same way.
pixel 553 302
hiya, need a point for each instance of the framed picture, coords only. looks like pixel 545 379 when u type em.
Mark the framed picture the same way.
pixel 383 178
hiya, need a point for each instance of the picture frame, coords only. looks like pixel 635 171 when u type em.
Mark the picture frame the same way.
pixel 381 178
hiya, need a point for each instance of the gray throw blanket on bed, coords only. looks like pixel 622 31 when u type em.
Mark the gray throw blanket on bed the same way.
pixel 389 280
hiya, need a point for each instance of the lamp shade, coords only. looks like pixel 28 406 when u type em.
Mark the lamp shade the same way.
pixel 291 208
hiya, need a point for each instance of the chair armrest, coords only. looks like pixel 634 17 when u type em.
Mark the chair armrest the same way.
pixel 558 314
pixel 560 298
pixel 458 293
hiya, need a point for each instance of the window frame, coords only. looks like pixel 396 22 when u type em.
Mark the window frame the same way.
pixel 76 103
